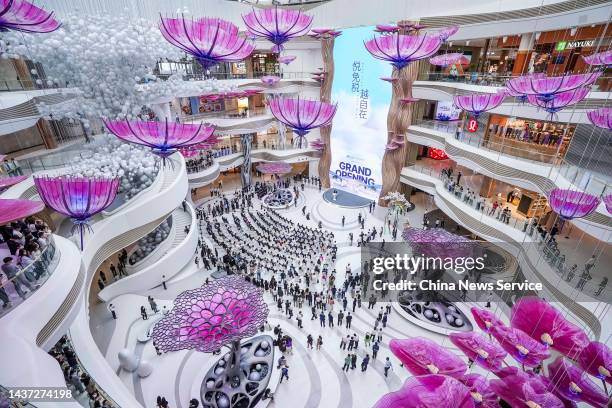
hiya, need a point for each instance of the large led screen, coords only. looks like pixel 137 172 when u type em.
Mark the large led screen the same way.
pixel 359 131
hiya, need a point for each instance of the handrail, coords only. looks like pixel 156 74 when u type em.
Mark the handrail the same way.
pixel 39 268
pixel 249 113
pixel 229 75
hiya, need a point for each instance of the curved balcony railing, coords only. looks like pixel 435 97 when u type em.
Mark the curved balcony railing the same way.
pixel 28 279
pixel 247 113
pixel 230 75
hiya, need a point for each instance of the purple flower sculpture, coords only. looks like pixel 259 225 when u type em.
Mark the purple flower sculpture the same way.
pixel 12 209
pixel 212 316
pixel 428 391
pixel 389 79
pixel 400 50
pixel 21 15
pixel 209 40
pixel 437 242
pixel 520 345
pixel 447 32
pixel 546 87
pixel 276 168
pixel 596 359
pixel 572 383
pixel 445 60
pixel 164 138
pixel 607 199
pixel 523 391
pixel 559 101
pixel 6 182
pixel 546 324
pixel 79 198
pixel 601 58
pixel 270 80
pixel 386 28
pixel 570 204
pixel 317 144
pixel 481 391
pixel 286 59
pixel 422 356
pixel 477 348
pixel 485 319
pixel 392 146
pixel 302 115
pixel 601 117
pixel 479 103
pixel 277 25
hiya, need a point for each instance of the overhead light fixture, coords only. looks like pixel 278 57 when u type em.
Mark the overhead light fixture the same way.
pixel 537 35
pixel 467 42
pixel 573 31
pixel 450 44
pixel 504 38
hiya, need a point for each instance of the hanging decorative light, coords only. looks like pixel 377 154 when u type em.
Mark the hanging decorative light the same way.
pixel 400 50
pixel 286 59
pixel 525 391
pixel 444 60
pixel 479 349
pixel 24 16
pixel 601 117
pixel 277 25
pixel 572 383
pixel 596 359
pixel 570 204
pixel 479 103
pixel 270 80
pixel 436 154
pixel 6 182
pixel 428 391
pixel 600 59
pixel 445 33
pixel 15 209
pixel 520 345
pixel 386 28
pixel 422 356
pixel 545 88
pixel 559 101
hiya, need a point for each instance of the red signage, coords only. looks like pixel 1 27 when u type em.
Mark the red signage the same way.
pixel 472 125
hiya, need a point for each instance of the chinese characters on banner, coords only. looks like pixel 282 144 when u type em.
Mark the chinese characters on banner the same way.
pixel 360 93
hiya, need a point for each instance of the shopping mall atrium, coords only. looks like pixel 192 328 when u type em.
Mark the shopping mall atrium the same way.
pixel 305 203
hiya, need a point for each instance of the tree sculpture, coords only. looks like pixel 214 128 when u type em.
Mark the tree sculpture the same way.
pixel 21 15
pixel 401 49
pixel 219 314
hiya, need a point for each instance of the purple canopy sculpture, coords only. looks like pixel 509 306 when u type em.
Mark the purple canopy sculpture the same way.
pixel 437 242
pixel 14 209
pixel 570 204
pixel 428 391
pixel 215 315
pixel 479 349
pixel 276 168
pixel 559 101
pixel 422 356
pixel 445 60
pixel 572 383
pixel 400 50
pixel 79 198
pixel 6 182
pixel 286 59
pixel 479 103
pixel 607 199
pixel 544 323
pixel 520 346
pixel 21 15
pixel 447 32
pixel 270 80
pixel 208 40
pixel 302 115
pixel 481 391
pixel 524 391
pixel 386 28
pixel 485 319
pixel 277 25
pixel 596 359
pixel 546 87
pixel 601 58
pixel 164 138
pixel 601 117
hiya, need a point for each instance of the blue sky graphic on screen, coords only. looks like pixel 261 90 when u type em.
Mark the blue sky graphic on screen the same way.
pixel 359 132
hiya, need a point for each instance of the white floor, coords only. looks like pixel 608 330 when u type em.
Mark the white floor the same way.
pixel 316 377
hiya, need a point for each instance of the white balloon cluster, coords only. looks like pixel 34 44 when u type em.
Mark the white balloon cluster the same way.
pixel 109 157
pixel 149 242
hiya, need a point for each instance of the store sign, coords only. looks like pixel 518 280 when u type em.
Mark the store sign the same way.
pixel 446 110
pixel 472 125
pixel 568 45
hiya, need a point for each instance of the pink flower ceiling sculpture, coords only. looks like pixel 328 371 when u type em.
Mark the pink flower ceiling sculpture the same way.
pixel 286 59
pixel 276 168
pixel 429 391
pixel 437 242
pixel 601 58
pixel 445 60
pixel 270 80
pixel 479 103
pixel 544 323
pixel 607 199
pixel 422 356
pixel 214 315
pixel 194 150
pixel 559 101
pixel 477 348
pixel 6 182
pixel 317 144
pixel 302 115
pixel 520 346
pixel 447 32
pixel 277 25
pixel 596 359
pixel 12 209
pixel 572 383
pixel 601 117
pixel 485 319
pixel 208 40
pixel 164 138
pixel 523 391
pixel 570 204
pixel 546 88
pixel 22 15
pixel 481 391
pixel 386 28
pixel 79 198
pixel 400 50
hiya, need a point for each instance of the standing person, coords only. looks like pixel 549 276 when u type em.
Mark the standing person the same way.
pixel 103 277
pixel 153 304
pixel 319 342
pixel 18 279
pixel 340 317
pixel 299 318
pixel 322 319
pixel 365 362
pixel 309 341
pixel 349 319
pixel 375 349
pixel 113 271
pixel 347 362
pixel 343 342
pixel 330 319
pixel 284 373
pixel 388 366
pixel 111 307
pixel 143 313
pixel 354 361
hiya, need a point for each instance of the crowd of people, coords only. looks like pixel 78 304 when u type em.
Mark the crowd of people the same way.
pixel 205 159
